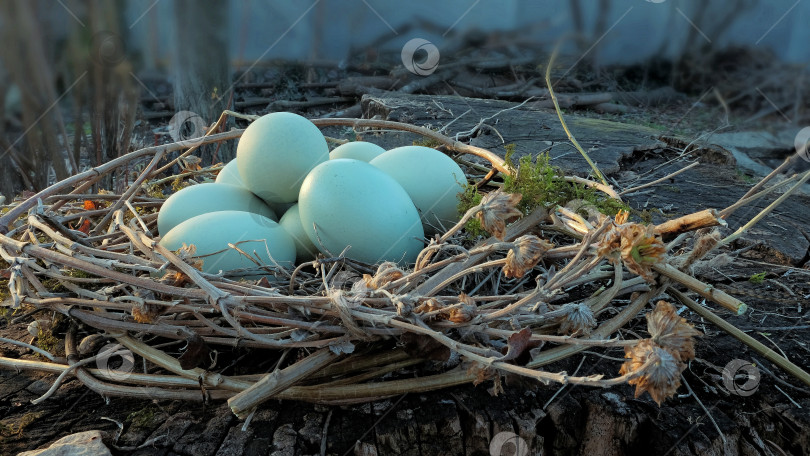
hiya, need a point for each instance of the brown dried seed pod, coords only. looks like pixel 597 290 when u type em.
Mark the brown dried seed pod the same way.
pixel 641 249
pixel 638 246
pixel 496 208
pixel 428 305
pixel 661 377
pixel 187 252
pixel 386 273
pixel 579 320
pixel 524 255
pixel 465 312
pixel 672 332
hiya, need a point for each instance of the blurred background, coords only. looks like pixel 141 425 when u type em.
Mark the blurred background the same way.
pixel 84 81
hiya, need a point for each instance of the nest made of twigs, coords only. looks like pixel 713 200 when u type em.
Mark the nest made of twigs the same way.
pixel 335 330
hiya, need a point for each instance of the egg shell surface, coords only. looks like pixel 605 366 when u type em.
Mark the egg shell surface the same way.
pixel 432 179
pixel 229 174
pixel 213 231
pixel 275 154
pixel 291 222
pixel 209 197
pixel 358 150
pixel 355 204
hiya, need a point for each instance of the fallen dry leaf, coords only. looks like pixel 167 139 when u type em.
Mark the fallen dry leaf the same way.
pixel 420 346
pixel 196 354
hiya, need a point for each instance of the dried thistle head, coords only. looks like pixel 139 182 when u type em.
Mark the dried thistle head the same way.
pixel 175 279
pixel 524 255
pixel 659 373
pixel 143 312
pixel 641 248
pixel 465 312
pixel 386 273
pixel 672 332
pixel 578 320
pixel 186 253
pixel 428 305
pixel 496 208
pixel 638 246
pixel 610 245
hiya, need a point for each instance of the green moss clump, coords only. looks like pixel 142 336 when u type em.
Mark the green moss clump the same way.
pixel 54 286
pixel 4 293
pixel 73 272
pixel 543 185
pixel 427 142
pixel 155 191
pixel 179 184
pixel 758 278
pixel 46 340
pixel 16 427
pixel 143 417
pixel 467 199
pixel 646 215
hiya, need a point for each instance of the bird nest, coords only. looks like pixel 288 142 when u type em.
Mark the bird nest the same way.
pixel 141 321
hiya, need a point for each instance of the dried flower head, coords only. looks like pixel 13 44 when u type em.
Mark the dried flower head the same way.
pixel 143 312
pixel 175 279
pixel 610 245
pixel 190 163
pixel 621 217
pixel 186 253
pixel 638 246
pixel 428 305
pixel 386 273
pixel 465 312
pixel 524 255
pixel 578 320
pixel 672 332
pixel 496 208
pixel 659 373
